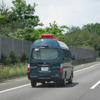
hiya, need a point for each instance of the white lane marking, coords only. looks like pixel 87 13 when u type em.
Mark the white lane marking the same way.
pixel 86 68
pixel 13 80
pixel 14 88
pixel 3 83
pixel 95 85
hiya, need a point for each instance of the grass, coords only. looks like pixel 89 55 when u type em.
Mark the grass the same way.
pixel 12 70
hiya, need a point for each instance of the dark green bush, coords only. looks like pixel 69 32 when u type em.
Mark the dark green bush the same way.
pixel 99 53
pixel 3 59
pixel 24 57
pixel 13 58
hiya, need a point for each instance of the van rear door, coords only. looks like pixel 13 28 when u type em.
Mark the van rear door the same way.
pixel 45 61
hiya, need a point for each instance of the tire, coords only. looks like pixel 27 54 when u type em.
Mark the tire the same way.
pixel 70 81
pixel 33 83
pixel 63 83
pixel 43 82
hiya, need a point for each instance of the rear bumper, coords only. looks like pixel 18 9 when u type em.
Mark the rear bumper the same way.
pixel 46 78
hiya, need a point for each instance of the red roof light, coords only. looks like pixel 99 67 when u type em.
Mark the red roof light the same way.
pixel 58 39
pixel 47 35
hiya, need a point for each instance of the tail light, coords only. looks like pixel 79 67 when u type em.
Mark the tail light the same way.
pixel 28 69
pixel 61 67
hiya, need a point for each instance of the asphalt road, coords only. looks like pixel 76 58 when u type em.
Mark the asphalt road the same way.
pixel 86 86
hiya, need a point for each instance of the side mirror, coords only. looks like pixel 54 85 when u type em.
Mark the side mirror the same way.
pixel 73 57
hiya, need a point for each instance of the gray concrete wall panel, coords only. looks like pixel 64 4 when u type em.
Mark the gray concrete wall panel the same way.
pixel 8 45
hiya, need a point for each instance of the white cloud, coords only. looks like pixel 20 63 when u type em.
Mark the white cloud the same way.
pixel 68 12
pixel 7 2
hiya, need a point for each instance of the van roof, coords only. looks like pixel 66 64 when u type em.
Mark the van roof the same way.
pixel 50 43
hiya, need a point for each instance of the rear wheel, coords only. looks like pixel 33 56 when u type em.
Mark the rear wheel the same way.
pixel 70 81
pixel 63 83
pixel 33 83
pixel 43 82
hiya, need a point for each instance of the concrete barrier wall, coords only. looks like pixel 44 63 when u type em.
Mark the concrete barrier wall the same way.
pixel 8 45
pixel 83 52
pixel 83 55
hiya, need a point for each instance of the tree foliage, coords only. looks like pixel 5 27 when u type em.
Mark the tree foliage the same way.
pixel 88 36
pixel 18 18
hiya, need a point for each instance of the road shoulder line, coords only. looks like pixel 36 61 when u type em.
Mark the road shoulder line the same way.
pixel 14 88
pixel 95 85
pixel 86 68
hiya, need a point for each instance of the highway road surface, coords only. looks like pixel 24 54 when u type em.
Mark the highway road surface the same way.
pixel 86 86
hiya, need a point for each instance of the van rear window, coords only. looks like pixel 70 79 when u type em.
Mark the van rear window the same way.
pixel 44 54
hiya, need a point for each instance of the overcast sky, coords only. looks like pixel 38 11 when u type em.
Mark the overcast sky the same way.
pixel 66 12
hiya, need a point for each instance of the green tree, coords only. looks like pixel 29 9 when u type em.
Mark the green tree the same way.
pixel 4 18
pixel 25 13
pixel 87 37
pixel 92 28
pixel 57 31
pixel 15 21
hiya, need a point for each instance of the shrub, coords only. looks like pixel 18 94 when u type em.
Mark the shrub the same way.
pixel 3 59
pixel 12 58
pixel 99 53
pixel 24 57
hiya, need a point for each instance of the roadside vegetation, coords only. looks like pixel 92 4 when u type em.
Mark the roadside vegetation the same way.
pixel 12 71
pixel 13 65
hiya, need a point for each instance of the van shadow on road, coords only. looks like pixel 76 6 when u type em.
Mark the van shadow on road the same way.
pixel 54 85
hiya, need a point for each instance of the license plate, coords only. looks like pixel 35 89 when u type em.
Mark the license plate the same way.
pixel 44 69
